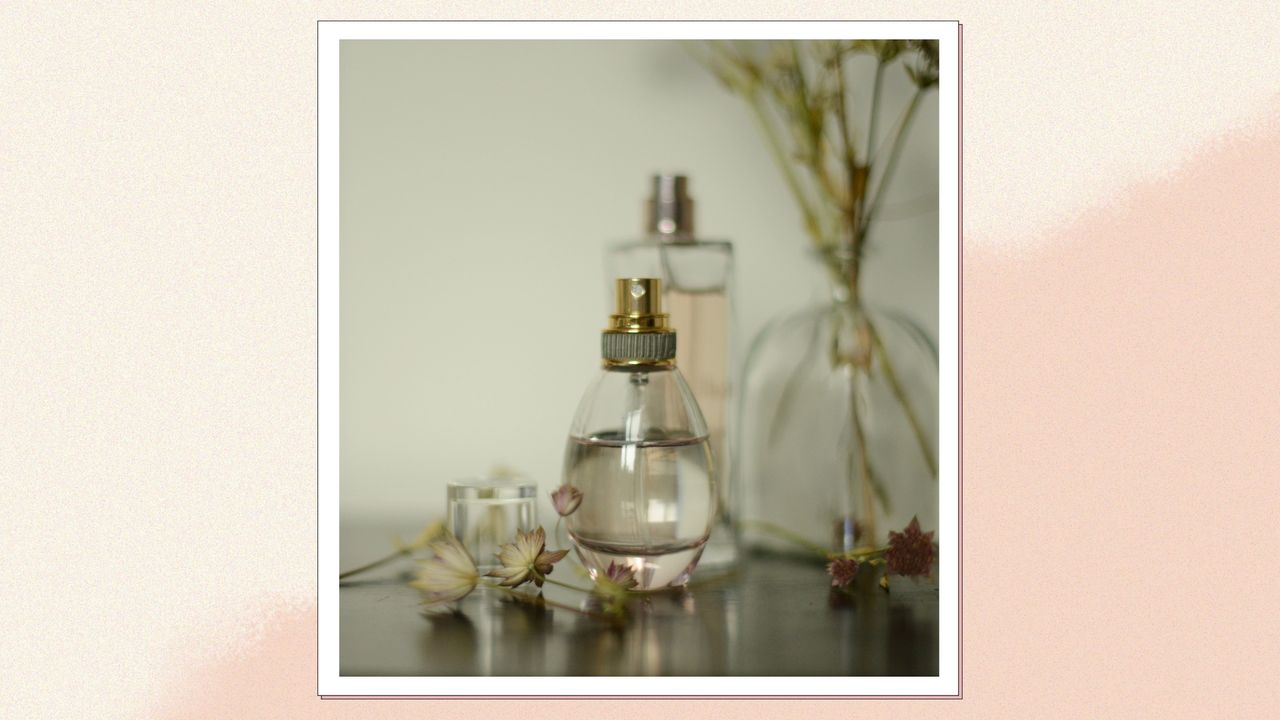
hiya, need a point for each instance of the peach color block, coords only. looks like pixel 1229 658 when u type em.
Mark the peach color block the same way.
pixel 1122 425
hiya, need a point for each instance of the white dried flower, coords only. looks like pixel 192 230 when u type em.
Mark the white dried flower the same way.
pixel 449 574
pixel 526 559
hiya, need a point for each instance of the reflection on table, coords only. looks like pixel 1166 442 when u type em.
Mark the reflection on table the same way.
pixel 773 616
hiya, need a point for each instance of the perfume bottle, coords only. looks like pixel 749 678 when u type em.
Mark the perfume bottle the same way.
pixel 638 452
pixel 696 278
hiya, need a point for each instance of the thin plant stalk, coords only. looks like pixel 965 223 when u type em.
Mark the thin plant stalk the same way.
pixel 790 387
pixel 901 396
pixel 861 553
pixel 565 585
pixel 891 164
pixel 402 552
pixel 864 474
pixel 857 189
pixel 788 535
pixel 540 600
pixel 875 105
pixel 780 158
pixel 813 124
pixel 858 227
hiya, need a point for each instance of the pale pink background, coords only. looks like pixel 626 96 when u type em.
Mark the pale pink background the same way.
pixel 1122 409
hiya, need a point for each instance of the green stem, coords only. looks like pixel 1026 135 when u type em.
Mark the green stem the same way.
pixel 565 585
pixel 539 600
pixel 865 553
pixel 814 119
pixel 895 151
pixel 814 129
pixel 872 122
pixel 867 499
pixel 875 106
pixel 900 394
pixel 375 563
pixel 851 205
pixel 788 174
pixel 792 386
pixel 788 535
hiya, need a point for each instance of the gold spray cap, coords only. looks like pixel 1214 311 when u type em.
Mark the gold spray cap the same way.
pixel 638 333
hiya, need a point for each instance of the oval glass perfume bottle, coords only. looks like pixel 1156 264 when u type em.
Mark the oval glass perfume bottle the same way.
pixel 638 452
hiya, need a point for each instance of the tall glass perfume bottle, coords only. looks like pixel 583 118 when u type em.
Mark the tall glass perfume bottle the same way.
pixel 697 278
pixel 638 452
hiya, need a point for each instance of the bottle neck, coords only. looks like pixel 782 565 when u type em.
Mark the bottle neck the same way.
pixel 841 273
pixel 625 350
pixel 677 238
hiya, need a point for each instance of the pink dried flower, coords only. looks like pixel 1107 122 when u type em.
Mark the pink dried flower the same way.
pixel 566 499
pixel 624 576
pixel 526 559
pixel 910 551
pixel 842 571
pixel 616 579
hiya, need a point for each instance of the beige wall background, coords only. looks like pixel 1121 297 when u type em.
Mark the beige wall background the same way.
pixel 481 182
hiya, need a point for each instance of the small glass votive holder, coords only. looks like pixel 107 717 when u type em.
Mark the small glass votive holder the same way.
pixel 484 514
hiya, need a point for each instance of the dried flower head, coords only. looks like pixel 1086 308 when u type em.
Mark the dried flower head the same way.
pixel 526 559
pixel 566 499
pixel 842 571
pixel 449 574
pixel 616 580
pixel 910 551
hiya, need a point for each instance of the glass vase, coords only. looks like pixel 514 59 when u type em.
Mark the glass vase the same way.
pixel 839 425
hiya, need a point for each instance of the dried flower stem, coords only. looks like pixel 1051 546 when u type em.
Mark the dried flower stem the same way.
pixel 788 535
pixel 900 394
pixel 891 164
pixel 566 585
pixel 816 160
pixel 851 205
pixel 540 601
pixel 780 157
pixel 875 105
pixel 402 552
pixel 842 117
pixel 864 462
pixel 869 554
pixel 792 384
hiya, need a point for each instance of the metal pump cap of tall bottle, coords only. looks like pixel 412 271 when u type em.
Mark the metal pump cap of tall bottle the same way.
pixel 638 333
pixel 670 216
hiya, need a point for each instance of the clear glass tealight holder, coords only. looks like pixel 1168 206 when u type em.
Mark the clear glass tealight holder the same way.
pixel 484 514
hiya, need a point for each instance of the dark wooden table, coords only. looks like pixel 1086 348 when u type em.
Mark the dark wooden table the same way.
pixel 772 616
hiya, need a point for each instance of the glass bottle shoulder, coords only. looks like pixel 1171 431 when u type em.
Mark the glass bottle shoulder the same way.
pixel 648 405
pixel 696 246
pixel 698 266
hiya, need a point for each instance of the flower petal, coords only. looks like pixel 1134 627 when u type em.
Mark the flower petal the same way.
pixel 566 499
pixel 537 542
pixel 544 561
pixel 510 556
pixel 511 577
pixel 842 571
pixel 449 574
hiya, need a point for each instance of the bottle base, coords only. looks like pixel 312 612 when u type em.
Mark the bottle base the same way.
pixel 718 558
pixel 721 552
pixel 654 568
